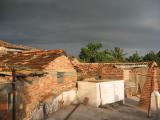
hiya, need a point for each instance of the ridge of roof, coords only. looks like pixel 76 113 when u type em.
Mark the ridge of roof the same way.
pixel 15 46
pixel 40 52
pixel 137 63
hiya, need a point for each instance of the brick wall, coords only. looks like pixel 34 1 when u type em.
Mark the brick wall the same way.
pixel 41 89
pixel 150 85
pixel 4 113
pixel 5 88
pixel 47 86
pixel 106 71
pixel 159 85
pixel 158 78
pixel 31 90
pixel 61 63
pixel 137 77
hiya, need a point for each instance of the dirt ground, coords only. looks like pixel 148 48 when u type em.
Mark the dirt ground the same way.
pixel 128 111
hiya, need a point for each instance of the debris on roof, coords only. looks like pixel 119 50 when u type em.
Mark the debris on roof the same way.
pixel 30 61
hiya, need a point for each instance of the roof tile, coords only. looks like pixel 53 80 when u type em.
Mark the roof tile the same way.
pixel 32 60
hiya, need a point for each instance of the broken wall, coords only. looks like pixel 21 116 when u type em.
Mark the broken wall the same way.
pixel 150 85
pixel 57 77
pixel 105 71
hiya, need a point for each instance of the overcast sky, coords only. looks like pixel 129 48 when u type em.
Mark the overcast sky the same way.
pixel 71 24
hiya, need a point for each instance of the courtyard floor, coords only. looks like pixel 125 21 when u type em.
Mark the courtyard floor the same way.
pixel 128 111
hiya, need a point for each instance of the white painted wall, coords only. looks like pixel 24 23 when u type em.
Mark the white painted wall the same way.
pixel 155 101
pixel 101 93
pixel 88 89
pixel 68 97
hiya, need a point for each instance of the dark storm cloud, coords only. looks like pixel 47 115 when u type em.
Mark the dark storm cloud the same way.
pixel 70 24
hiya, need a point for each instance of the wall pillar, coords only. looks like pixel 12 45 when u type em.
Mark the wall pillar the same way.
pixel 150 85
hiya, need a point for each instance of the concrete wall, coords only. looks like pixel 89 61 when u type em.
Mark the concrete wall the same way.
pixel 88 90
pixel 111 91
pixel 53 104
pixel 100 93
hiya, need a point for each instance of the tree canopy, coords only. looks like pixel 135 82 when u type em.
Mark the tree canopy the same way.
pixel 118 54
pixel 94 52
pixel 134 58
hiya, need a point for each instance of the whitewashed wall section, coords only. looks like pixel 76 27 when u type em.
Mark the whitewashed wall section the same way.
pixel 54 105
pixel 111 91
pixel 101 93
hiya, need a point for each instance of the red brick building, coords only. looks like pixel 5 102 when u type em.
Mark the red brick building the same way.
pixel 41 77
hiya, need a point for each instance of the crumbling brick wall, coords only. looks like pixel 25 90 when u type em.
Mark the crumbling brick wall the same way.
pixel 47 86
pixel 158 77
pixel 150 85
pixel 137 78
pixel 41 89
pixel 35 88
pixel 5 88
pixel 105 71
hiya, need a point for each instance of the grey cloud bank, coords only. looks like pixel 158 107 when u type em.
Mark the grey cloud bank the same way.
pixel 71 24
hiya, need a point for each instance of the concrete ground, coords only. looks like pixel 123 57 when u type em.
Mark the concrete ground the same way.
pixel 128 111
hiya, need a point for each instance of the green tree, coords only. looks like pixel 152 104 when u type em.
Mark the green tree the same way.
pixel 118 54
pixel 151 56
pixel 134 58
pixel 93 53
pixel 104 56
pixel 158 58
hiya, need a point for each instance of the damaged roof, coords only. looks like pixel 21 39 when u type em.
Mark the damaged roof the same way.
pixel 81 66
pixel 33 60
pixel 15 46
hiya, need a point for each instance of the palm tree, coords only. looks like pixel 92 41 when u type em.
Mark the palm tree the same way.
pixel 118 54
pixel 134 58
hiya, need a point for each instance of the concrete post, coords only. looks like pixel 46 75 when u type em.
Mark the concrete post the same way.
pixel 153 101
